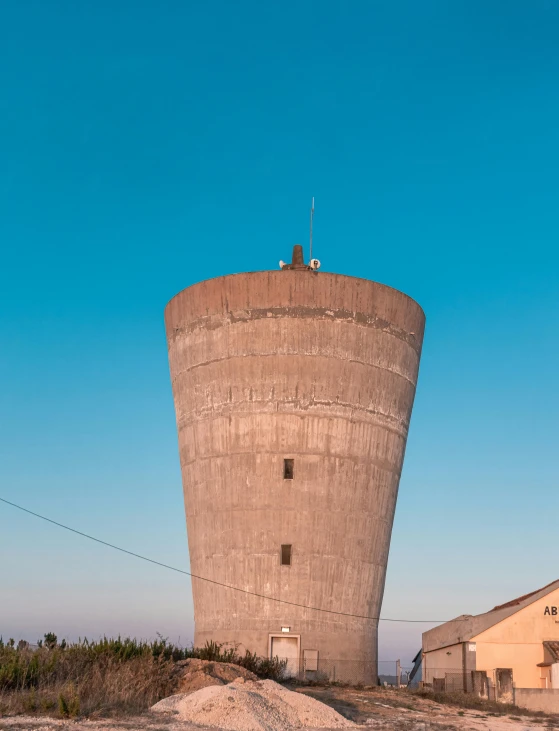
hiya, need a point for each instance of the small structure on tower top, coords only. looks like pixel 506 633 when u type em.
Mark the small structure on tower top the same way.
pixel 298 262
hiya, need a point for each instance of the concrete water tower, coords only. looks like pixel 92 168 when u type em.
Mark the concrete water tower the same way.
pixel 293 392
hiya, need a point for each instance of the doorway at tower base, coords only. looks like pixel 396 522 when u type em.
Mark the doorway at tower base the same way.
pixel 307 656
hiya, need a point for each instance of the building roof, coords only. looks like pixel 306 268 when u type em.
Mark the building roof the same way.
pixel 467 626
pixel 520 599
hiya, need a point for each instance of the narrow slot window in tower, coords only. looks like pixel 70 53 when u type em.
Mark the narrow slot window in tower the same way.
pixel 286 555
pixel 288 465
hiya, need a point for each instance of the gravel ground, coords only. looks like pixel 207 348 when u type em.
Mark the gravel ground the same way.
pixel 142 723
pixel 403 711
pixel 369 709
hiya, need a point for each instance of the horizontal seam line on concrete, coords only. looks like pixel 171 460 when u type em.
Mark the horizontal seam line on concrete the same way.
pixel 321 455
pixel 275 508
pixel 337 513
pixel 290 355
pixel 348 319
pixel 340 559
pixel 367 460
pixel 402 432
pixel 182 425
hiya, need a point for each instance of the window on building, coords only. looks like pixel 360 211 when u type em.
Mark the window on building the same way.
pixel 288 465
pixel 310 659
pixel 286 555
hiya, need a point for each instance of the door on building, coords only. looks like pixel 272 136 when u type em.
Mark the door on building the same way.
pixel 287 648
pixel 503 676
pixel 545 676
pixel 480 684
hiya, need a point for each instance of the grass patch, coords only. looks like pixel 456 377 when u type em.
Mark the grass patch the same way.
pixel 106 677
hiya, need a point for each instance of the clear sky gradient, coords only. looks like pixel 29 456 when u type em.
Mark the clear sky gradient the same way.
pixel 145 146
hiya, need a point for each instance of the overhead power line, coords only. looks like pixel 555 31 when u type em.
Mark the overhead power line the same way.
pixel 212 581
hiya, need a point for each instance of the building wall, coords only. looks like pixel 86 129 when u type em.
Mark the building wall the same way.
pixel 438 663
pixel 516 642
pixel 537 700
pixel 316 367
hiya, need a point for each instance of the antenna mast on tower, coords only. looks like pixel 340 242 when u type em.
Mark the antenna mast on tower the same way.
pixel 312 216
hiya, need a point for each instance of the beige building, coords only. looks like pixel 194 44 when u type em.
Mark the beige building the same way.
pixel 293 392
pixel 514 646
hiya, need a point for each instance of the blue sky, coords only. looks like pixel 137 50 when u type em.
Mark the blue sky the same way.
pixel 146 146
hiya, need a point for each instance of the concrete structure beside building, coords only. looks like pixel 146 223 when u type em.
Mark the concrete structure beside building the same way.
pixel 293 392
pixel 512 648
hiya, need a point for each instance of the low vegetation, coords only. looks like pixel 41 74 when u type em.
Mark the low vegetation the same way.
pixel 104 677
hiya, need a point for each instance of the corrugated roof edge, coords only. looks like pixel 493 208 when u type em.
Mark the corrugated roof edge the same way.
pixel 552 647
pixel 520 599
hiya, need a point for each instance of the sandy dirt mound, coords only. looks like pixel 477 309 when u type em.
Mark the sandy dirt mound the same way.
pixel 261 705
pixel 195 674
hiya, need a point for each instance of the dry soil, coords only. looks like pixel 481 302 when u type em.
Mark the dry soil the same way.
pixel 369 709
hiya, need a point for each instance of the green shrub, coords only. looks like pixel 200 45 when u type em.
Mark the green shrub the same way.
pixel 63 706
pixel 30 702
pixel 214 651
pixel 51 640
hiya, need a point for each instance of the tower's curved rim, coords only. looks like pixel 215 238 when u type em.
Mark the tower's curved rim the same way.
pixel 299 273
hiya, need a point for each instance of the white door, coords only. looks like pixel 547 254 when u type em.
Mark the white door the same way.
pixel 286 648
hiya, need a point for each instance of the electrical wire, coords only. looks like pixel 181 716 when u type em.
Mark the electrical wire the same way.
pixel 212 581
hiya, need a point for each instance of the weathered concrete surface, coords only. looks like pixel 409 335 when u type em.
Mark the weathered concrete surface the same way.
pixel 296 364
pixel 537 699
